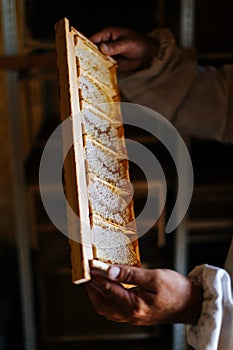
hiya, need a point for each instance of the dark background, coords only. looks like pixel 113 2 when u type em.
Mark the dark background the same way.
pixel 65 317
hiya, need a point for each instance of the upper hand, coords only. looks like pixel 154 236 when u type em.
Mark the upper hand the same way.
pixel 160 296
pixel 132 50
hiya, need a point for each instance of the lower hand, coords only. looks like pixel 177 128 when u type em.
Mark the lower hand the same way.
pixel 160 296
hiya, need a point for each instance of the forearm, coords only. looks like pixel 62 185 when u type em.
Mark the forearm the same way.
pixel 197 100
pixel 163 85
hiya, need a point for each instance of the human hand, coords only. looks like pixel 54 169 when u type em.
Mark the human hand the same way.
pixel 132 50
pixel 160 296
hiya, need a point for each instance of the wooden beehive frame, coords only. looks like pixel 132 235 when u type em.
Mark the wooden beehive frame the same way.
pixel 72 102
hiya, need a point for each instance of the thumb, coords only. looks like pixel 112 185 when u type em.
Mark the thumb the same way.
pixel 105 48
pixel 130 275
pixel 114 48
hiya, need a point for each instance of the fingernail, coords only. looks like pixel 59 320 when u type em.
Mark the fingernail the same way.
pixel 114 272
pixel 104 47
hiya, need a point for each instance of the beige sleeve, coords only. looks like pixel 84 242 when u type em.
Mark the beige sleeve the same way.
pixel 197 100
pixel 214 329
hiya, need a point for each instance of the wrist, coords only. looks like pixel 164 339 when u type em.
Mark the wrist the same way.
pixel 191 299
pixel 195 302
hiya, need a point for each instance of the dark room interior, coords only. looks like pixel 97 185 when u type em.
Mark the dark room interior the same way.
pixel 40 309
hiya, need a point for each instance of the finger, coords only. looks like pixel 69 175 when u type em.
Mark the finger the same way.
pixel 121 47
pixel 102 305
pixel 133 275
pixel 115 293
pixel 106 35
pixel 109 289
pixel 134 306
